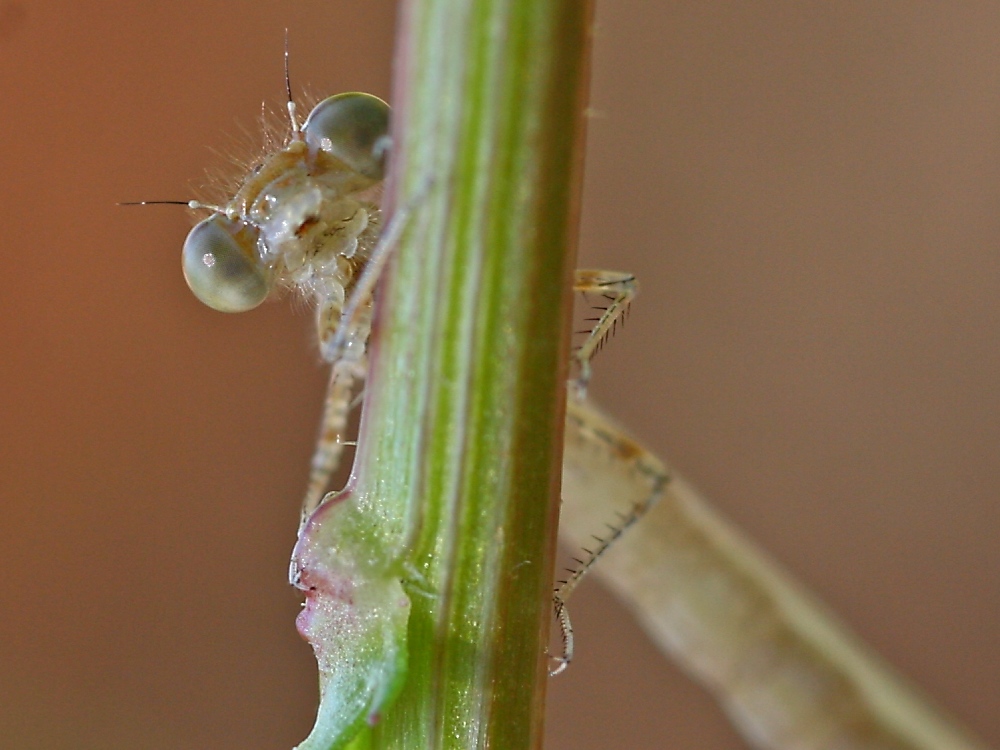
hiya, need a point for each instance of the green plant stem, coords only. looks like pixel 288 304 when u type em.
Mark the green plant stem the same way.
pixel 461 436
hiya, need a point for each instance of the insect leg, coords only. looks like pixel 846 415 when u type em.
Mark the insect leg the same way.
pixel 586 431
pixel 616 290
pixel 593 440
pixel 330 445
pixel 380 254
pixel 343 333
pixel 346 370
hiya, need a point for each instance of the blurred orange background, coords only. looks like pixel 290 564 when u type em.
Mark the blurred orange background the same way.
pixel 808 192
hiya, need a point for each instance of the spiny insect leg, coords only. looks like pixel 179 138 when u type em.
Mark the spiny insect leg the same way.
pixel 330 445
pixel 346 370
pixel 591 438
pixel 617 288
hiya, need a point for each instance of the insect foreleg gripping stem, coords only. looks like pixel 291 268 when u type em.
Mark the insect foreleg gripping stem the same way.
pixel 380 255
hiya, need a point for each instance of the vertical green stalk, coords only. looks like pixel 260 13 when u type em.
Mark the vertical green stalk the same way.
pixel 455 489
pixel 467 393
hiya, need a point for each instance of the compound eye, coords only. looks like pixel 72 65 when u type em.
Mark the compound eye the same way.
pixel 353 127
pixel 222 267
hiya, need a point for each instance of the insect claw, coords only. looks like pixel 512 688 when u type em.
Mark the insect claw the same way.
pixel 563 663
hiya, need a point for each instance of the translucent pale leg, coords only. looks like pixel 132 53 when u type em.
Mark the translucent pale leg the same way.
pixel 616 290
pixel 343 334
pixel 330 444
pixel 347 369
pixel 788 674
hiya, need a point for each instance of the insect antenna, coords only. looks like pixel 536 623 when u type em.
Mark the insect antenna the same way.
pixel 288 92
pixel 154 203
pixel 190 204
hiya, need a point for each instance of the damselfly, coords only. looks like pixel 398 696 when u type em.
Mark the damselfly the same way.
pixel 307 218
